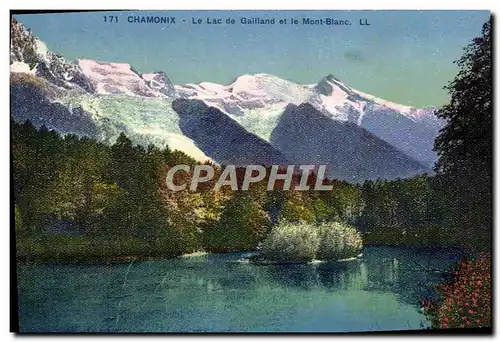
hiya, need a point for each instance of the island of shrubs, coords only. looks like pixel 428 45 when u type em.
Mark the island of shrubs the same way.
pixel 304 242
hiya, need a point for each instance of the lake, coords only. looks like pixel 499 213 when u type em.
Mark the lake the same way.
pixel 215 293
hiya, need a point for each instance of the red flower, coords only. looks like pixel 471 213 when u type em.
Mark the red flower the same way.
pixel 466 299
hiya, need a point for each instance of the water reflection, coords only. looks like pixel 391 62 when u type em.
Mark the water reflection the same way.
pixel 216 293
pixel 381 269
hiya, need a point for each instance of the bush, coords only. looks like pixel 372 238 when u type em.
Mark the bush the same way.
pixel 291 242
pixel 465 299
pixel 338 241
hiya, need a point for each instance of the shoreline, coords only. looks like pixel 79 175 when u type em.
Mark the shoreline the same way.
pixel 108 260
pixel 132 258
pixel 264 262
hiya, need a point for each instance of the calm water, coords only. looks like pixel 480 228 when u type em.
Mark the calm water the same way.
pixel 215 293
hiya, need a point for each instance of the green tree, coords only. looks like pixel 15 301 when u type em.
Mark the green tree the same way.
pixel 242 225
pixel 298 207
pixel 464 145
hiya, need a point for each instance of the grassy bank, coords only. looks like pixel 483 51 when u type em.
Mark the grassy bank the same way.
pixel 88 248
pixel 423 237
pixel 66 248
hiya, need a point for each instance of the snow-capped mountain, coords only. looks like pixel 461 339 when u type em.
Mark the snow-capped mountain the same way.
pixel 256 101
pixel 411 130
pixel 222 138
pixel 247 92
pixel 88 98
pixel 247 121
pixel 29 54
pixel 121 78
pixel 353 153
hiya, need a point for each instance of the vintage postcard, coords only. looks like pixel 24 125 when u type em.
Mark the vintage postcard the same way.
pixel 251 171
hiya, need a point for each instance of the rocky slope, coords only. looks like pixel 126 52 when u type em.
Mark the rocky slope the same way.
pixel 255 119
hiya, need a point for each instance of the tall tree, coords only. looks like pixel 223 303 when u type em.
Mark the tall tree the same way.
pixel 464 145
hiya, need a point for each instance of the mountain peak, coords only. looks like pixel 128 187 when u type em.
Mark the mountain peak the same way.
pixel 121 78
pixel 159 81
pixel 352 153
pixel 254 101
pixel 28 53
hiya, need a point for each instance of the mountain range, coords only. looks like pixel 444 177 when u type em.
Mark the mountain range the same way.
pixel 256 119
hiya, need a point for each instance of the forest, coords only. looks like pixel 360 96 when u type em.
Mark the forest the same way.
pixel 113 202
pixel 76 198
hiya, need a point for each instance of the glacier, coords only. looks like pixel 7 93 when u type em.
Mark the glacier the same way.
pixel 102 99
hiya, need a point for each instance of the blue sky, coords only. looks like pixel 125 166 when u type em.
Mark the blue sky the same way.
pixel 403 56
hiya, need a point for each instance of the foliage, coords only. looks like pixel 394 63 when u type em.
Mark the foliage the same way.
pixel 424 236
pixel 466 298
pixel 291 242
pixel 18 224
pixel 88 247
pixel 465 144
pixel 99 192
pixel 338 241
pixel 120 191
pixel 297 208
pixel 304 242
pixel 241 226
